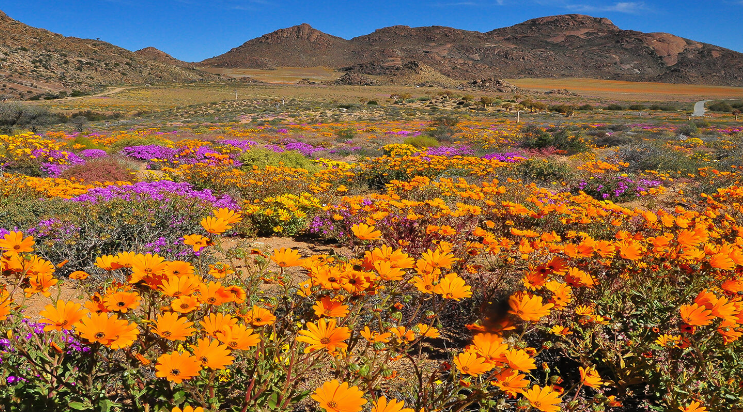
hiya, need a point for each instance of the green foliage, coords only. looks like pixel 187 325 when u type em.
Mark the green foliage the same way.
pixel 564 139
pixel 16 116
pixel 262 157
pixel 444 128
pixel 614 106
pixel 421 141
pixel 544 171
pixel 652 157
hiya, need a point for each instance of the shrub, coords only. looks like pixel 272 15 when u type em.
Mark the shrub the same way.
pixel 564 139
pixel 636 107
pixel 543 171
pixel 614 106
pixel 100 170
pixel 262 157
pixel 421 141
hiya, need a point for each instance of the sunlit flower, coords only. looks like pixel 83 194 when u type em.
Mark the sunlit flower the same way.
pixel 324 335
pixel 334 396
pixel 177 367
pixel 61 316
pixel 543 398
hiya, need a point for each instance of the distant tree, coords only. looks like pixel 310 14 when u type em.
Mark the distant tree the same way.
pixel 735 113
pixel 486 100
pixel 79 122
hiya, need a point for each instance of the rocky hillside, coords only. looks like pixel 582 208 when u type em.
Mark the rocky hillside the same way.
pixel 38 63
pixel 557 46
pixel 157 55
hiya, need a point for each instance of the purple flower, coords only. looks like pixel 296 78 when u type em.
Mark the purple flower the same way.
pixel 93 153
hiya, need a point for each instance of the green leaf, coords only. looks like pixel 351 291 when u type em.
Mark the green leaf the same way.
pixel 86 405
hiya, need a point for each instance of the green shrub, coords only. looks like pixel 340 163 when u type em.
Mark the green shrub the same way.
pixel 262 157
pixel 614 106
pixel 421 141
pixel 636 107
pixel 544 171
pixel 85 142
pixel 564 139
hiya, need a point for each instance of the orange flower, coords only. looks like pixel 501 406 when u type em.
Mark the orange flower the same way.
pixel 696 315
pixel 543 398
pixel 238 337
pixel 436 259
pixel 511 382
pixel 63 316
pixel 324 335
pixel 387 271
pixel 185 304
pixel 382 405
pixel 146 266
pixel 286 257
pixel 375 337
pixel 365 232
pixel 180 286
pixel 172 327
pixel 13 243
pixel 590 377
pixel 214 293
pixel 178 269
pixel 694 406
pixel 198 242
pixel 214 225
pixel 330 308
pixel 529 308
pixel 121 301
pixel 177 367
pixel 79 275
pixel 40 284
pixel 472 364
pixel 428 331
pixel 334 396
pixel 227 215
pixel 217 323
pixel 403 333
pixel 519 360
pixel 490 346
pixel 220 270
pixel 212 355
pixel 258 316
pixel 237 294
pixel 109 331
pixel 453 287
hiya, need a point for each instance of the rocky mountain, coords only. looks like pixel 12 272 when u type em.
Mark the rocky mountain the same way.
pixel 558 46
pixel 36 62
pixel 158 55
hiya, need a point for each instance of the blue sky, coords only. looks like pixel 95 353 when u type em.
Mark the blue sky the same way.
pixel 193 30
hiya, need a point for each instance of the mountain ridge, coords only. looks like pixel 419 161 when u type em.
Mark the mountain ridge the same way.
pixel 571 45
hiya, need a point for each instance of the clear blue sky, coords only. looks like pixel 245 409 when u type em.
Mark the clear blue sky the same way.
pixel 193 30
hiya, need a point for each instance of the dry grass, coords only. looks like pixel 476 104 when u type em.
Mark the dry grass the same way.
pixel 286 75
pixel 631 91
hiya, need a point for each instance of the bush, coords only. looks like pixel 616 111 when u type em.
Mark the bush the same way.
pixel 544 171
pixel 421 141
pixel 636 107
pixel 14 116
pixel 585 107
pixel 262 157
pixel 649 157
pixel 562 139
pixel 100 170
pixel 614 106
pixel 444 128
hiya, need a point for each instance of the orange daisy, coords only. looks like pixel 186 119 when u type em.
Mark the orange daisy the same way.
pixel 330 308
pixel 14 243
pixel 543 398
pixel 212 355
pixel 287 257
pixel 324 335
pixel 121 301
pixel 383 405
pixel 177 367
pixel 61 316
pixel 529 308
pixel 173 327
pixel 365 232
pixel 334 396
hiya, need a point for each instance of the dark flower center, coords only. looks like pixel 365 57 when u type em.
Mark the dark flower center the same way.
pixel 121 304
pixel 332 404
pixel 166 334
pixel 184 306
pixel 324 340
pixel 99 335
pixel 175 372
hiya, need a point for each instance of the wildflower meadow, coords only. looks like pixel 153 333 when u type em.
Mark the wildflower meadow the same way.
pixel 373 266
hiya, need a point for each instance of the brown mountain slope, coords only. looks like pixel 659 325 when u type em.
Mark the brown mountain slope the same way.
pixel 557 46
pixel 297 46
pixel 158 55
pixel 36 61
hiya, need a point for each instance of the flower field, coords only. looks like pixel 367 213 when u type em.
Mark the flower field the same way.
pixel 473 264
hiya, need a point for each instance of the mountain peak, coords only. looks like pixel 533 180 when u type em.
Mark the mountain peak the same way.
pixel 571 21
pixel 300 32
